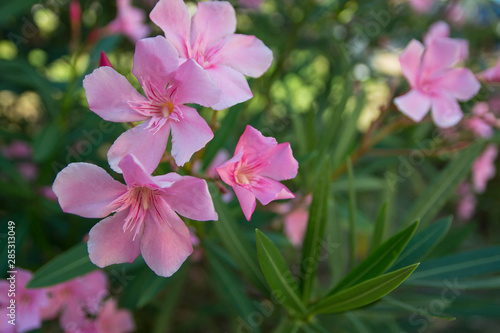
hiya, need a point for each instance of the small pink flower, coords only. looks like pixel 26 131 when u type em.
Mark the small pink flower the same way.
pixel 296 215
pixel 85 293
pixel 483 168
pixel 168 88
pixel 144 221
pixel 482 121
pixel 258 164
pixel 491 75
pixel 28 304
pixel 441 29
pixel 17 150
pixel 208 37
pixel 46 192
pixel 435 82
pixel 129 21
pixel 422 6
pixel 113 320
pixel 467 202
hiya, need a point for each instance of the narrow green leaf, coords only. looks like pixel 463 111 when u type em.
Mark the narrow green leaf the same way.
pixel 352 214
pixel 418 310
pixel 379 229
pixel 68 265
pixel 423 242
pixel 357 323
pixel 469 284
pixel 236 244
pixel 466 264
pixel 315 232
pixel 363 293
pixel 336 258
pixel 436 195
pixel 277 274
pixel 379 261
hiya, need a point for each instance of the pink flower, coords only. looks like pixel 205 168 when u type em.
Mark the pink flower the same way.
pixel 467 202
pixel 482 121
pixel 483 168
pixel 422 6
pixel 46 192
pixel 17 150
pixel 84 293
pixel 168 87
pixel 104 61
pixel 441 29
pixel 256 168
pixel 28 303
pixel 208 37
pixel 129 21
pixel 113 320
pixel 144 220
pixel 434 82
pixel 253 4
pixel 491 75
pixel 296 216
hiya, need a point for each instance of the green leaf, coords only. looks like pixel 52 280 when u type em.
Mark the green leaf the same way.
pixel 352 214
pixel 14 8
pixel 379 229
pixel 314 232
pixel 277 274
pixel 423 242
pixel 466 264
pixel 419 310
pixel 68 265
pixel 436 195
pixel 363 293
pixel 46 143
pixel 379 261
pixel 469 284
pixel 236 244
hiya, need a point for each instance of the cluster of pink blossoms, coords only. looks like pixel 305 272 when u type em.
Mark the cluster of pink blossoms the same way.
pixel 200 60
pixel 82 305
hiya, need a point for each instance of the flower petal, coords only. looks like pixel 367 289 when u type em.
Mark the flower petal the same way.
pixel 282 165
pixel 165 249
pixel 226 170
pixel 134 141
pixel 172 16
pixel 268 190
pixel 213 21
pixel 87 190
pixel 410 61
pixel 442 53
pixel 189 134
pixel 414 104
pixel 246 199
pixel 189 197
pixel 108 94
pixel 156 60
pixel 459 82
pixel 445 110
pixel 246 54
pixel 439 29
pixel 233 84
pixel 133 172
pixel 194 85
pixel 109 244
pixel 253 142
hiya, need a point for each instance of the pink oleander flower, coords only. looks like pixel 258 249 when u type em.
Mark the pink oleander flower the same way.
pixel 129 21
pixel 256 168
pixel 435 83
pixel 28 304
pixel 483 168
pixel 482 121
pixel 17 150
pixel 208 37
pixel 441 29
pixel 168 87
pixel 422 6
pixel 83 294
pixel 144 221
pixel 490 75
pixel 467 202
pixel 295 216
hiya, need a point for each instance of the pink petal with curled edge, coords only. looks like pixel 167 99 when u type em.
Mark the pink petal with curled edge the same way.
pixel 155 59
pixel 189 134
pixel 410 61
pixel 414 104
pixel 165 247
pixel 445 110
pixel 108 94
pixel 86 190
pixel 233 84
pixel 246 54
pixel 269 190
pixel 134 173
pixel 439 29
pixel 135 141
pixel 254 143
pixel 114 320
pixel 108 244
pixel 227 171
pixel 459 82
pixel 189 197
pixel 172 16
pixel 213 21
pixel 246 199
pixel 282 165
pixel 194 85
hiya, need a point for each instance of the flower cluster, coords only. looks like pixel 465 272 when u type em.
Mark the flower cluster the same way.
pixel 200 60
